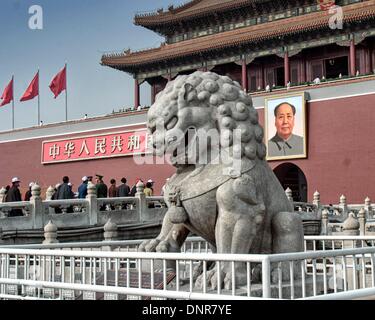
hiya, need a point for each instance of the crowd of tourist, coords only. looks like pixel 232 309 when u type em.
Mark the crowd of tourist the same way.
pixel 64 191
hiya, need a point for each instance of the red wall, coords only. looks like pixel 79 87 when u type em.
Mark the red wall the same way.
pixel 341 155
pixel 23 159
pixel 341 149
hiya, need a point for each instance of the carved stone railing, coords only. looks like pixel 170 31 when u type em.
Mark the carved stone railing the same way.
pixel 5 208
pixel 93 212
pixel 332 218
pixel 81 213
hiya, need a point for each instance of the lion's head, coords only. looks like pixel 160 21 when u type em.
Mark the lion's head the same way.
pixel 205 101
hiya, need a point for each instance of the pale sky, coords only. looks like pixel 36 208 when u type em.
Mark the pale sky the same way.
pixel 79 32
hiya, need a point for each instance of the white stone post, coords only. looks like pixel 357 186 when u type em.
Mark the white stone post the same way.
pixel 110 234
pixel 351 228
pixel 37 207
pixel 316 199
pixel 351 225
pixel 110 231
pixel 368 208
pixel 2 194
pixel 288 193
pixel 316 202
pixel 50 233
pixel 344 207
pixel 362 221
pixel 324 230
pixel 49 193
pixel 142 207
pixel 92 204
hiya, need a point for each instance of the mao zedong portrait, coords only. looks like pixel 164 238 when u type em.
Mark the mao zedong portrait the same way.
pixel 285 143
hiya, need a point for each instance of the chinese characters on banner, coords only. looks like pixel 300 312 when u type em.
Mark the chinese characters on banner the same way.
pixel 95 147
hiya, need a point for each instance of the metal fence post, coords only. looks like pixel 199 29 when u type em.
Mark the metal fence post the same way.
pixel 92 204
pixel 142 205
pixel 37 207
pixel 266 278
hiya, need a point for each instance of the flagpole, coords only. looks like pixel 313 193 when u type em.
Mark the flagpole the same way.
pixel 66 91
pixel 13 102
pixel 38 99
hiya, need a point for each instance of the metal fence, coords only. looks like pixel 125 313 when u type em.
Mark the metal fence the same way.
pixel 314 243
pixel 88 271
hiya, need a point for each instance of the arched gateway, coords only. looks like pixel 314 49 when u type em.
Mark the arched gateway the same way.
pixel 291 176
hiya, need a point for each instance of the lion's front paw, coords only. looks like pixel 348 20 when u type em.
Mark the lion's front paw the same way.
pixel 149 245
pixel 163 246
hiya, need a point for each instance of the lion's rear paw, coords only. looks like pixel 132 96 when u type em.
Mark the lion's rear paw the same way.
pixel 240 279
pixel 211 280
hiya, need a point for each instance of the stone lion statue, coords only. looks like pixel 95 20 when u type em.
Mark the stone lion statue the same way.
pixel 237 210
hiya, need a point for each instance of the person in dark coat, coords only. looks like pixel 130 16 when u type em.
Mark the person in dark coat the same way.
pixel 64 192
pixel 82 189
pixel 123 191
pixel 101 189
pixel 14 195
pixel 112 192
pixel 28 192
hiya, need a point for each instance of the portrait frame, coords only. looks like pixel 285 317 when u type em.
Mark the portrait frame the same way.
pixel 298 100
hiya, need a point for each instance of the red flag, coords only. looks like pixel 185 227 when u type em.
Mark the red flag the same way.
pixel 7 96
pixel 58 83
pixel 32 90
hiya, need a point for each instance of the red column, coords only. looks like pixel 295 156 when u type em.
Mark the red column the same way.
pixel 245 85
pixel 352 58
pixel 136 93
pixel 263 81
pixel 286 68
pixel 303 71
pixel 372 59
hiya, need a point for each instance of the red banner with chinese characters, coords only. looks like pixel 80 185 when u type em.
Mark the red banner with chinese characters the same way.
pixel 95 147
